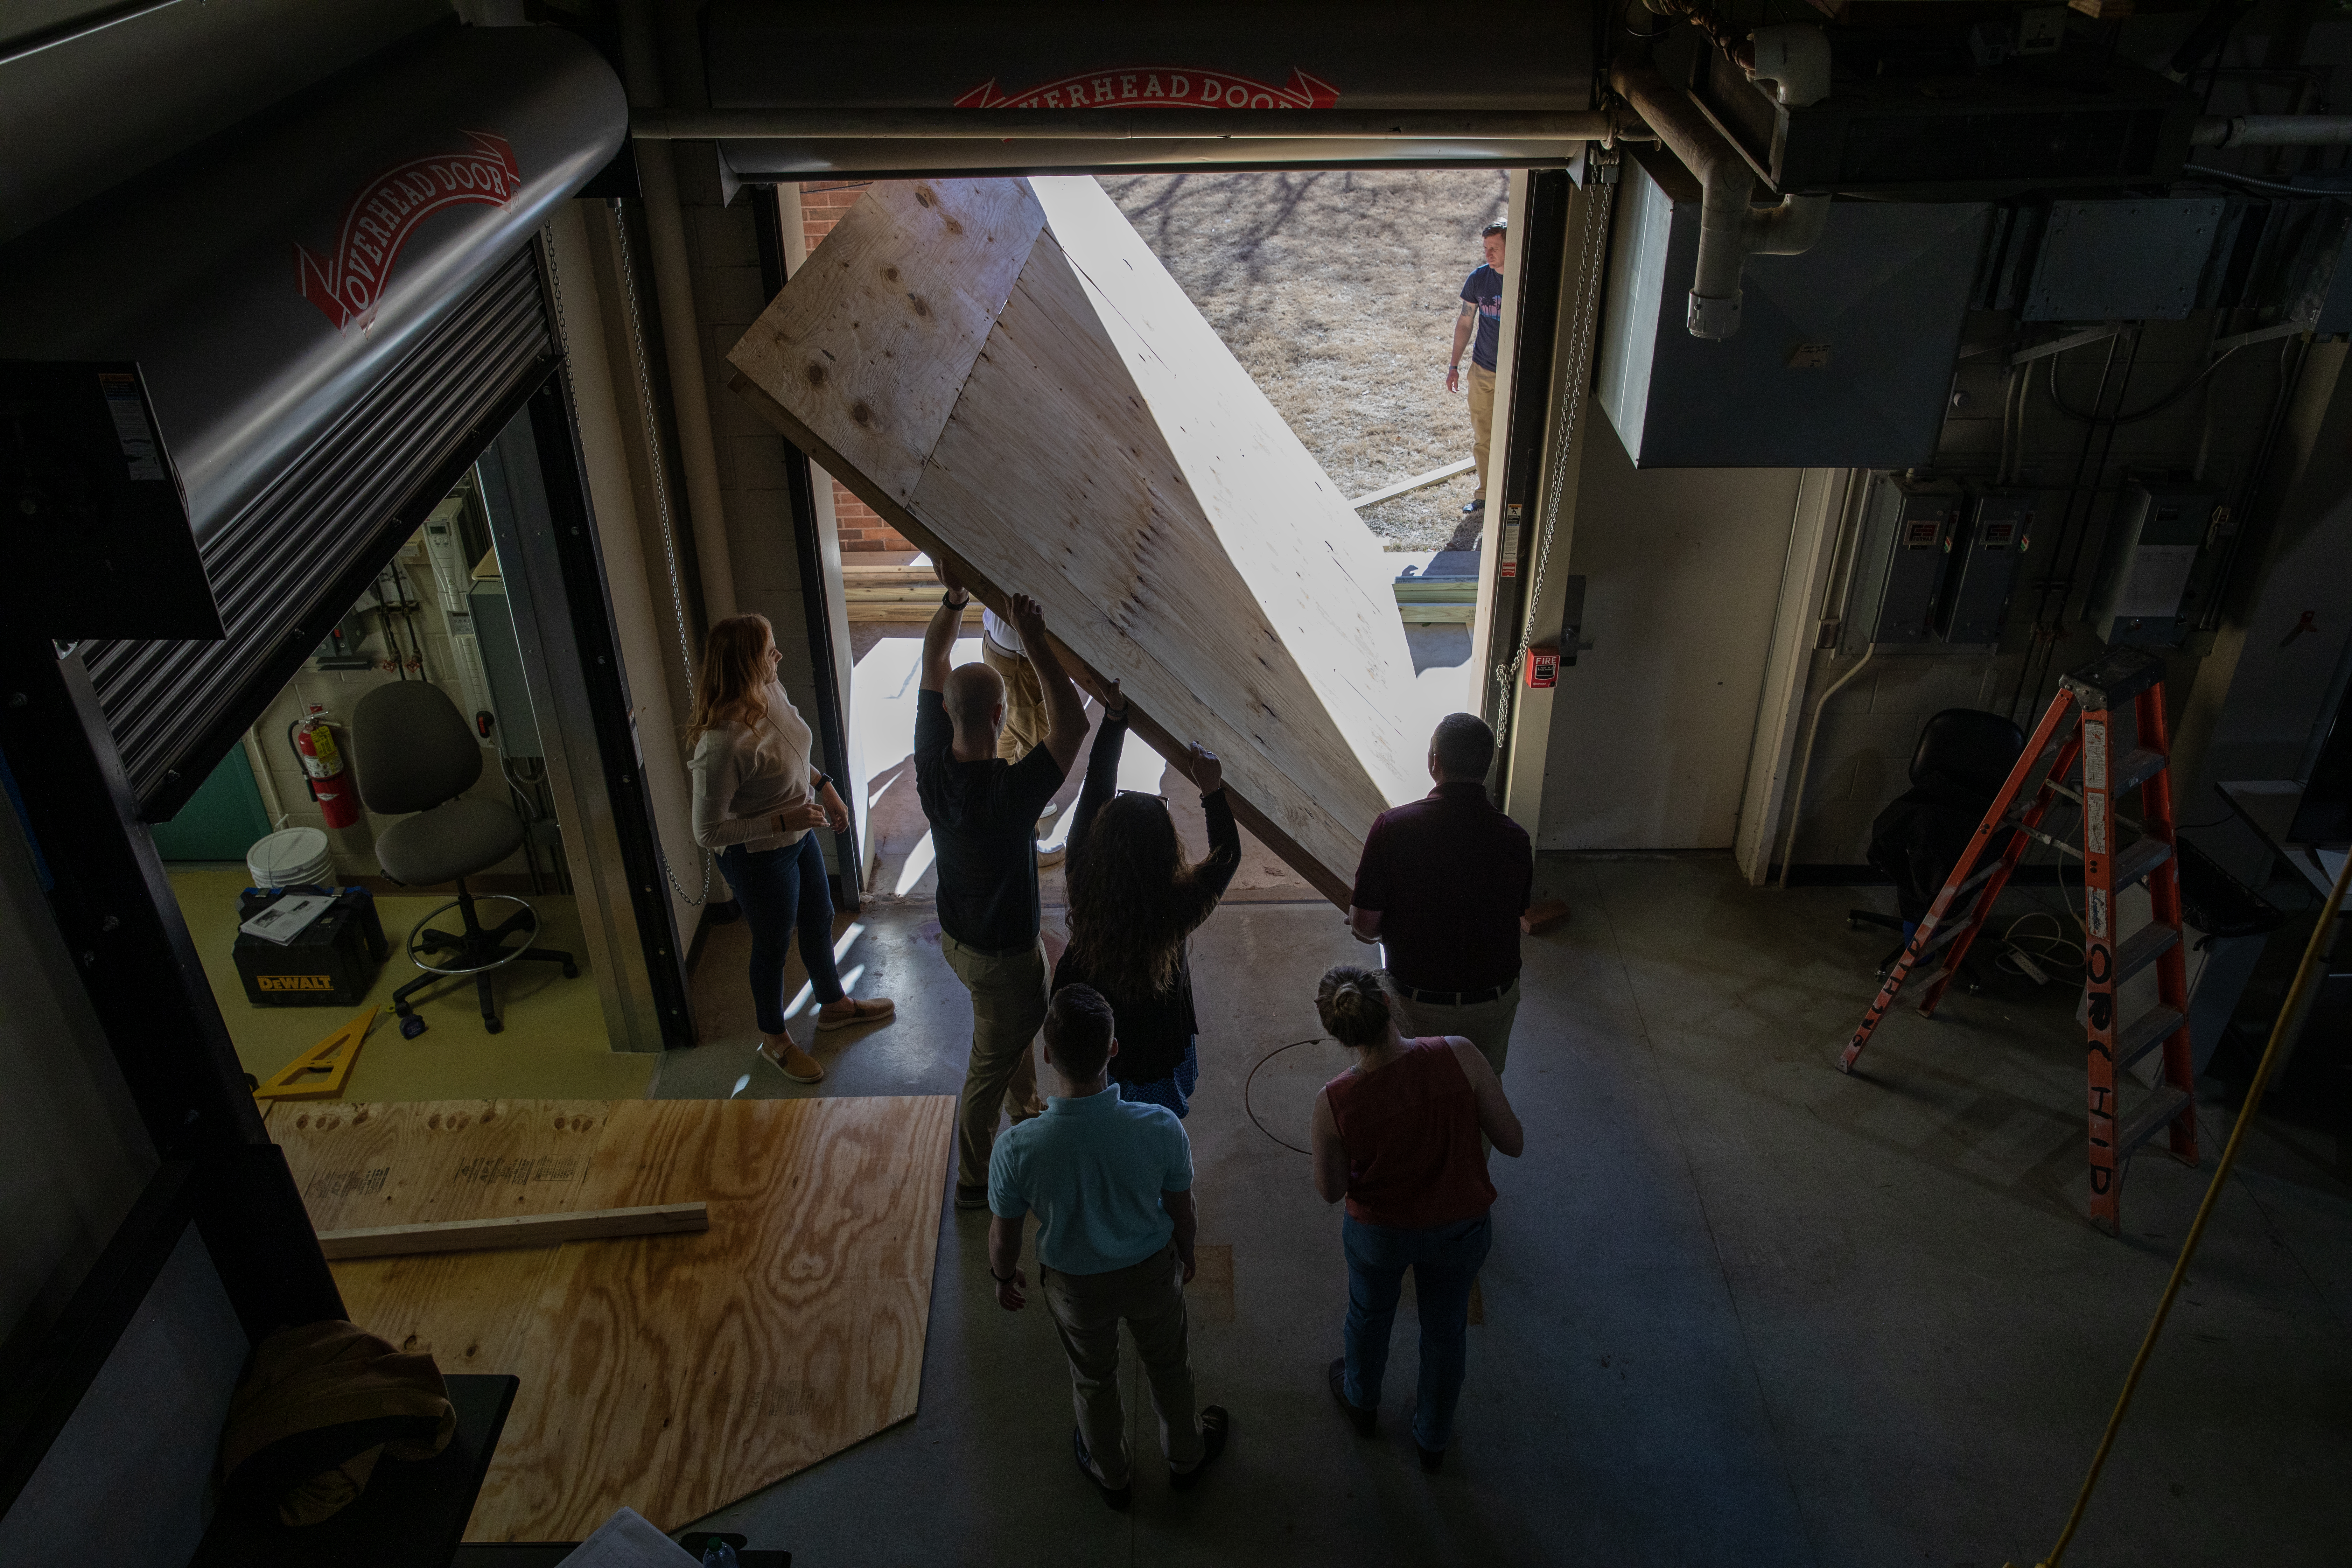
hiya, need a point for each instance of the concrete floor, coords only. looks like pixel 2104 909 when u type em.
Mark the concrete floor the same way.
pixel 1741 1309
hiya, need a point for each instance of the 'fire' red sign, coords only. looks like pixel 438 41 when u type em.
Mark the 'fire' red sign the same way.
pixel 381 214
pixel 1158 87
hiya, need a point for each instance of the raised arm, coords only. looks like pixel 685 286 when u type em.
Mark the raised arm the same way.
pixel 1063 703
pixel 1216 872
pixel 947 621
pixel 1496 1119
pixel 1102 770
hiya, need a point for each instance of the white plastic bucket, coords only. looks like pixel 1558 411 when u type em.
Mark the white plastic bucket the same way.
pixel 292 859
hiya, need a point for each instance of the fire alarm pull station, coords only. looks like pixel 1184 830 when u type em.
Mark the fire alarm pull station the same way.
pixel 1543 668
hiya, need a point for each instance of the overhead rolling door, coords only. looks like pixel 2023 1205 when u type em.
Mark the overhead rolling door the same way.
pixel 284 568
pixel 329 309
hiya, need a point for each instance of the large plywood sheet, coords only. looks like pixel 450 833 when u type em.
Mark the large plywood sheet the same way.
pixel 672 1374
pixel 1105 453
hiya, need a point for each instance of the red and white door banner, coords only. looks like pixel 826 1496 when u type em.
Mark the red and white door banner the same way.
pixel 381 214
pixel 1158 87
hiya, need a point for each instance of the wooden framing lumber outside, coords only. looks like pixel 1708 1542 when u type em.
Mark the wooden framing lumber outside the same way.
pixel 1418 482
pixel 514 1230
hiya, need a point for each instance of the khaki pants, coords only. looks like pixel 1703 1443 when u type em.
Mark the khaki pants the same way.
pixel 1008 1008
pixel 1482 419
pixel 1486 1024
pixel 1086 1308
pixel 1024 697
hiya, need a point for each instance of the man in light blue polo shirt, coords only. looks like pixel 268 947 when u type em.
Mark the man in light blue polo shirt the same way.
pixel 1111 1181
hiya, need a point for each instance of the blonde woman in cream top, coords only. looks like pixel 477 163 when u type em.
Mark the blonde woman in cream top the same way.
pixel 756 796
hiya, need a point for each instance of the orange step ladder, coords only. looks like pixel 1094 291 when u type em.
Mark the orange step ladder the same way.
pixel 2062 741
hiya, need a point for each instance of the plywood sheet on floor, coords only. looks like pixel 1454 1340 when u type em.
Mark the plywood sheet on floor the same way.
pixel 554 1043
pixel 672 1373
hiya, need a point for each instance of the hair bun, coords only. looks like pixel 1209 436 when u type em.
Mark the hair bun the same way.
pixel 1353 1004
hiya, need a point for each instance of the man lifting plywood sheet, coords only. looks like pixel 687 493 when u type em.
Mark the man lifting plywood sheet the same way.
pixel 1003 370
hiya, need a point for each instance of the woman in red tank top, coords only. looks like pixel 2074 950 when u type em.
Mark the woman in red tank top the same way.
pixel 1397 1135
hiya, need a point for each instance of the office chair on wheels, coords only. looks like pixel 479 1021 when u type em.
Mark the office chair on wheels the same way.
pixel 1963 758
pixel 415 753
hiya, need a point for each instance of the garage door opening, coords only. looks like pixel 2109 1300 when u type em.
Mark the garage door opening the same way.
pixel 1337 291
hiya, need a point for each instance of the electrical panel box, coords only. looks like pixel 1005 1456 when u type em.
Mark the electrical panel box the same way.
pixel 517 730
pixel 1984 555
pixel 445 547
pixel 2153 546
pixel 1899 568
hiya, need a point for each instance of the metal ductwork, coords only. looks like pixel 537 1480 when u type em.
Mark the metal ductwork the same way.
pixel 1732 228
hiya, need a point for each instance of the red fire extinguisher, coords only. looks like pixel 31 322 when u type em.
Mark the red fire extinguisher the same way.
pixel 323 770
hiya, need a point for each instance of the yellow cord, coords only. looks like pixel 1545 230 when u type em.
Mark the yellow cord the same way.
pixel 2292 1014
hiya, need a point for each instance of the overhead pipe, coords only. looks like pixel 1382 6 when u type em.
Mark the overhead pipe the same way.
pixel 2232 131
pixel 654 122
pixel 1731 227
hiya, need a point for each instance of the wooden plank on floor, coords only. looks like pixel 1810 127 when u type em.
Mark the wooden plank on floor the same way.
pixel 674 1373
pixel 513 1230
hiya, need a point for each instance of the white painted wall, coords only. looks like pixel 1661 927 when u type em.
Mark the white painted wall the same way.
pixel 1650 728
pixel 643 622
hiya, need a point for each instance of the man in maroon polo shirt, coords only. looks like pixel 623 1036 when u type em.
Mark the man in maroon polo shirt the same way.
pixel 1443 884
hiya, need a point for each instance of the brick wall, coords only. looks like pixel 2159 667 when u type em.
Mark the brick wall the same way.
pixel 823 203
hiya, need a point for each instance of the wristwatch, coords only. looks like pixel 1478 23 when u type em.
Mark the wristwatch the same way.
pixel 953 602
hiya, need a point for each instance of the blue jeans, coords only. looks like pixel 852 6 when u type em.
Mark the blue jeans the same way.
pixel 780 888
pixel 1173 1092
pixel 1444 1260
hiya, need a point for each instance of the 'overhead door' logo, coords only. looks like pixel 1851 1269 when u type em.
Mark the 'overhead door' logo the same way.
pixel 383 213
pixel 1157 87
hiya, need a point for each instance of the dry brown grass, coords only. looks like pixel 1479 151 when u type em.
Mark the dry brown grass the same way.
pixel 1336 291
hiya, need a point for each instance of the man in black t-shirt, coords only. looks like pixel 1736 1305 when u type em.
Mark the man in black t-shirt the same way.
pixel 983 816
pixel 1443 884
pixel 1482 309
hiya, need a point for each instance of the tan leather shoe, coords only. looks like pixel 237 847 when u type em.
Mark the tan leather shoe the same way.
pixel 871 1010
pixel 792 1061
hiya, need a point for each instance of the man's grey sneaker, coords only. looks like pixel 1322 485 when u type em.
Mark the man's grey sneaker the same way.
pixel 1117 1497
pixel 1214 1425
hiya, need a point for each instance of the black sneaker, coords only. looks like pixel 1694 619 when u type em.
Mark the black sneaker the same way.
pixel 1361 1418
pixel 1118 1498
pixel 1215 1424
pixel 1475 508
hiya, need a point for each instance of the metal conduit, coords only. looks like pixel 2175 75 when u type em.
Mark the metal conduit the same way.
pixel 2273 131
pixel 655 124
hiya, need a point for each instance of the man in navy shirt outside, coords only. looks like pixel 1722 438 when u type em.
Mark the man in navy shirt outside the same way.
pixel 1441 886
pixel 1482 309
pixel 1111 1182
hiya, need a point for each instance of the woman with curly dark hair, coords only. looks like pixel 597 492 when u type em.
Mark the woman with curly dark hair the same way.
pixel 1134 900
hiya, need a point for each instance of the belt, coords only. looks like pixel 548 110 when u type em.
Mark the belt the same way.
pixel 1450 998
pixel 1021 951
